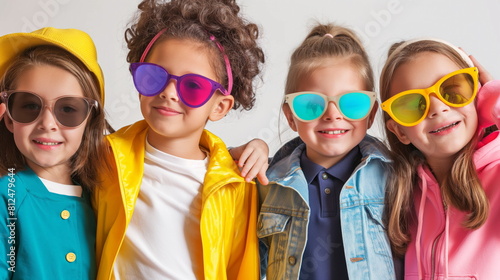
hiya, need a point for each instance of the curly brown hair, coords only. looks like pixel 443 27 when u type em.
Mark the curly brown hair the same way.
pixel 196 20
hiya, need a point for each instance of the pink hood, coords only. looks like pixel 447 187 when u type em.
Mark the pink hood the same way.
pixel 441 248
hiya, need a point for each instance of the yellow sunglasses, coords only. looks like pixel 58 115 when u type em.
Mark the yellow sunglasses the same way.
pixel 456 89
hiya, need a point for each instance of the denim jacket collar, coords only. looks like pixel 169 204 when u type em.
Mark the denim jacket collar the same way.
pixel 287 171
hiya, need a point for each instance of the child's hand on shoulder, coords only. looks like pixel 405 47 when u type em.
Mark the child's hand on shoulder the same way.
pixel 252 158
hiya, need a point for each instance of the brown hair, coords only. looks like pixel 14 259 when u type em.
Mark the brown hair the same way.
pixel 86 162
pixel 195 20
pixel 461 188
pixel 327 41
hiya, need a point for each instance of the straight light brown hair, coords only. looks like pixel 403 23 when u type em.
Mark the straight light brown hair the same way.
pixel 460 189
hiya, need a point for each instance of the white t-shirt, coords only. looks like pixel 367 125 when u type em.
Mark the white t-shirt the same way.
pixel 163 239
pixel 70 190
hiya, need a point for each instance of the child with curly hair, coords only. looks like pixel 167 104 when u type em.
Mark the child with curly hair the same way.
pixel 175 206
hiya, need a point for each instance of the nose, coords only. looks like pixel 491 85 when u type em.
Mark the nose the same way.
pixel 436 106
pixel 47 120
pixel 332 113
pixel 170 91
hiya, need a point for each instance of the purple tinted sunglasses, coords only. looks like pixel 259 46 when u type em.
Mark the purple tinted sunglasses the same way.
pixel 193 90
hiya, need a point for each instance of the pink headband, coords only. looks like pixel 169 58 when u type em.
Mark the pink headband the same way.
pixel 213 39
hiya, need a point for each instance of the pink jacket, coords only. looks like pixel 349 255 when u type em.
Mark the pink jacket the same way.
pixel 441 248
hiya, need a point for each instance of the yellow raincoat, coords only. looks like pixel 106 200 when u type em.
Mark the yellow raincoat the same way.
pixel 229 207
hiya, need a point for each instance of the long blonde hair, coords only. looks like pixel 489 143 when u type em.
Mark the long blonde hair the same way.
pixel 461 188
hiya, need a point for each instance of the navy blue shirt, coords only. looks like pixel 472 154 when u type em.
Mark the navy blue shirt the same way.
pixel 324 256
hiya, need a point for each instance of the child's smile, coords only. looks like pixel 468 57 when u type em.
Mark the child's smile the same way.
pixel 47 145
pixel 446 129
pixel 330 137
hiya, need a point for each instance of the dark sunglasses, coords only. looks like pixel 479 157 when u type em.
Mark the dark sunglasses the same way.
pixel 26 107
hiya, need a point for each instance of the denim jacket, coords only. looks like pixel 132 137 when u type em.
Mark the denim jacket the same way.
pixel 284 216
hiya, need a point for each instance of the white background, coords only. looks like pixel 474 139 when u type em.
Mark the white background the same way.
pixel 472 25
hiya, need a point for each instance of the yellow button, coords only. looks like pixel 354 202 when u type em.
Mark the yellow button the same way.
pixel 328 191
pixel 292 260
pixel 65 214
pixel 70 257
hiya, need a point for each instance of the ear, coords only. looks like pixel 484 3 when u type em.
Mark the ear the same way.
pixel 221 107
pixel 373 113
pixel 9 123
pixel 289 116
pixel 2 110
pixel 398 131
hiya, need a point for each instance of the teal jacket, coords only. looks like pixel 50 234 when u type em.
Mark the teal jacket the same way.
pixel 44 235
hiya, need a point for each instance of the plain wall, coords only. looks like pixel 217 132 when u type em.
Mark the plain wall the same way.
pixel 472 25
